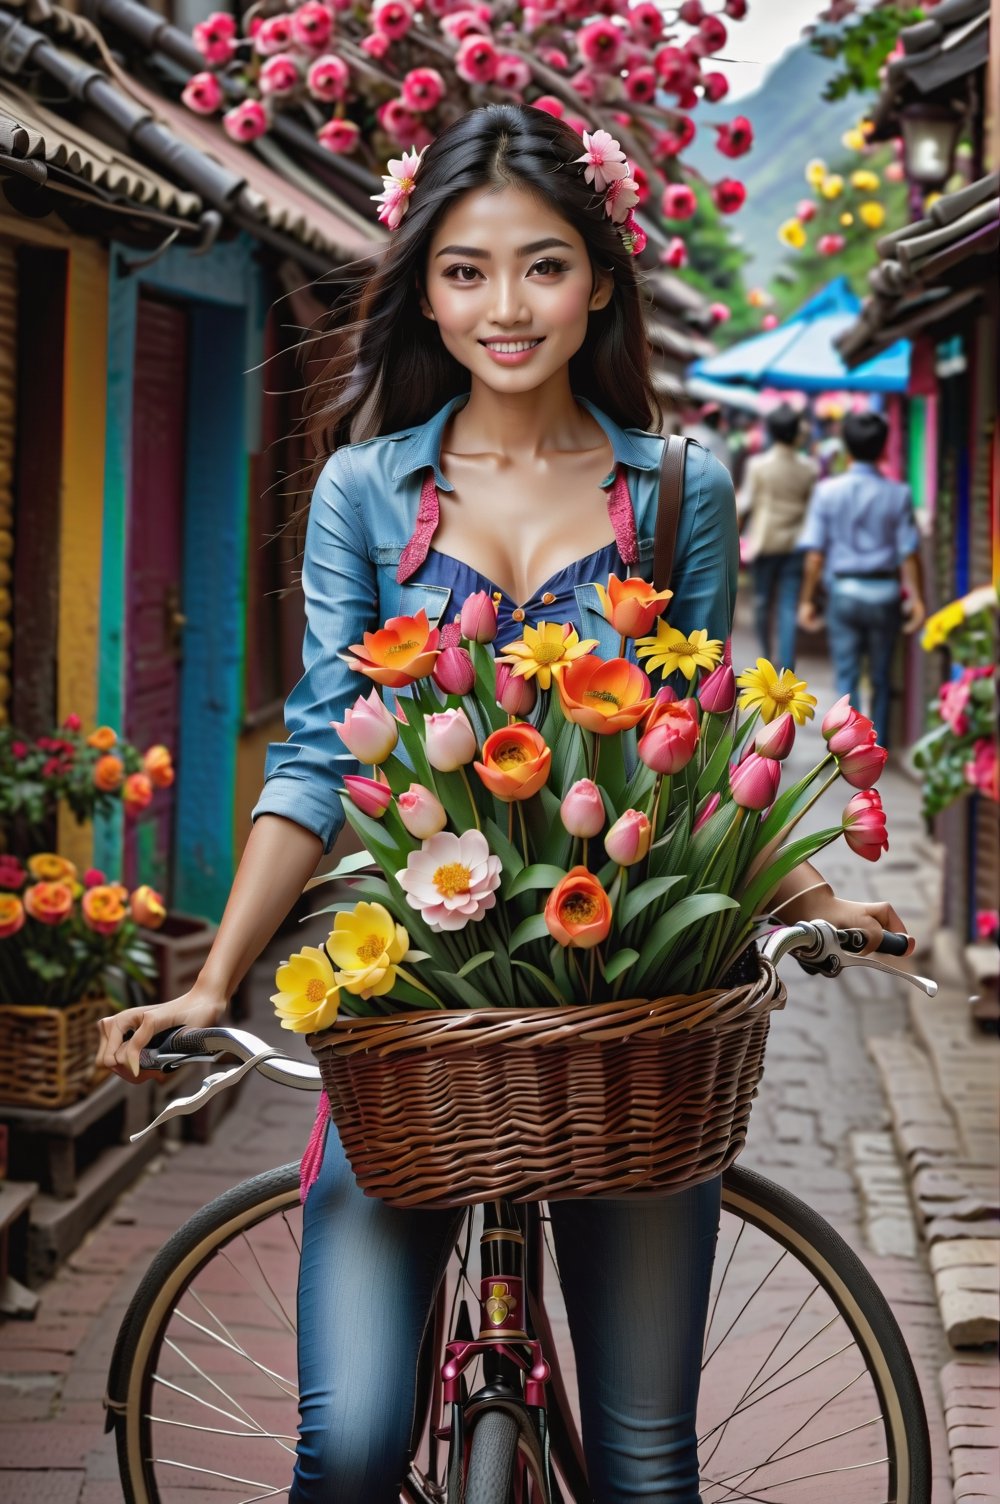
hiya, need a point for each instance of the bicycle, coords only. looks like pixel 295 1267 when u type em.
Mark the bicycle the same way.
pixel 807 1382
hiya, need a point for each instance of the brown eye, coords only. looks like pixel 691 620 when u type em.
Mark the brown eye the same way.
pixel 550 264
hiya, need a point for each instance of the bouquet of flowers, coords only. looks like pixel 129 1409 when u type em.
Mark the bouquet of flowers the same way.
pixel 548 828
pixel 958 754
pixel 63 938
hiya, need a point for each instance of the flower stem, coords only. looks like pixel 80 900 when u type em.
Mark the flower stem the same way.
pixel 409 977
pixel 524 833
pixel 468 790
pixel 596 757
pixel 621 646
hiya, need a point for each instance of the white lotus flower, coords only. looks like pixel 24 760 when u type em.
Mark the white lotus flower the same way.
pixel 451 879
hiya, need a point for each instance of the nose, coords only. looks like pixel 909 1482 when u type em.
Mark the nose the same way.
pixel 508 302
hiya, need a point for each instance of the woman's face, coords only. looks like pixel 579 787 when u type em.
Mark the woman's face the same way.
pixel 510 286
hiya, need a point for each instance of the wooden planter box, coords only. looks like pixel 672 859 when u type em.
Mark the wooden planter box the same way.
pixel 181 946
pixel 47 1054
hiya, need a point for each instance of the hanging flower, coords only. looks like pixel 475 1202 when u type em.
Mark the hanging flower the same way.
pixel 545 650
pixel 640 85
pixel 451 880
pixel 604 161
pixel 736 138
pixel 422 89
pixel 715 86
pixel 476 60
pixel 771 693
pixel 712 35
pixel 670 650
pixel 339 136
pixel 393 19
pixel 328 78
pixel 619 201
pixel 308 997
pixel 601 44
pixel 365 947
pixel 202 93
pixel 678 202
pixel 729 195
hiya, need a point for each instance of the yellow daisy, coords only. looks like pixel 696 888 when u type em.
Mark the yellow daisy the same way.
pixel 939 627
pixel 308 996
pixel 872 214
pixel 543 651
pixel 771 693
pixel 365 947
pixel 670 650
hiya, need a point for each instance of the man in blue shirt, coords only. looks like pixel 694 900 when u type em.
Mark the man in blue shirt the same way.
pixel 861 537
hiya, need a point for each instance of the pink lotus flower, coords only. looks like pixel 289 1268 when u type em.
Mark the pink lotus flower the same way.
pixel 717 691
pixel 755 781
pixel 582 810
pixel 982 771
pixel 202 93
pixel 449 740
pixel 397 185
pixel 368 730
pixel 601 44
pixel 374 45
pixel 669 743
pixel 368 795
pixel 729 195
pixel 422 89
pixel 512 73
pixel 327 78
pixel 421 812
pixel 627 842
pixel 279 75
pixel 340 136
pixel 454 672
pixel 549 105
pixel 640 85
pixel 476 60
pixel 864 825
pixel 674 253
pixel 736 138
pixel 619 201
pixel 715 86
pixel 392 19
pixel 452 880
pixel 245 121
pixel 777 738
pixel 516 695
pixel 215 38
pixel 312 25
pixel 274 35
pixel 678 201
pixel 863 767
pixel 479 617
pixel 705 813
pixel 647 22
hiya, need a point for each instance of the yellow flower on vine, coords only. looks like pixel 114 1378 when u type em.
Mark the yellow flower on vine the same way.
pixel 771 693
pixel 670 650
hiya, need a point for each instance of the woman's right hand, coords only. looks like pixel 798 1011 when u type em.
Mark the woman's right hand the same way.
pixel 196 1009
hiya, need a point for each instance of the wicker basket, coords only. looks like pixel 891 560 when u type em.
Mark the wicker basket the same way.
pixel 613 1099
pixel 47 1054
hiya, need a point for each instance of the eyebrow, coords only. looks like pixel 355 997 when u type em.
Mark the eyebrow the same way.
pixel 524 250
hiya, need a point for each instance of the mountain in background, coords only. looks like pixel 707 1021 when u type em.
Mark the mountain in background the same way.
pixel 792 123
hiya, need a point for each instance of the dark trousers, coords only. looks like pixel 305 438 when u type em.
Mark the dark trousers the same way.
pixel 777 579
pixel 863 628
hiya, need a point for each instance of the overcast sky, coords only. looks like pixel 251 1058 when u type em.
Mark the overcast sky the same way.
pixel 767 30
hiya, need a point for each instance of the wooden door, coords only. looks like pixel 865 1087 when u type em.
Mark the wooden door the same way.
pixel 154 606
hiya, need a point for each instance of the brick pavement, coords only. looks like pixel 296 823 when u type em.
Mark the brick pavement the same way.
pixel 820 1120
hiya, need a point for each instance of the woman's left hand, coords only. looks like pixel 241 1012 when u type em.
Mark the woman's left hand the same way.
pixel 872 918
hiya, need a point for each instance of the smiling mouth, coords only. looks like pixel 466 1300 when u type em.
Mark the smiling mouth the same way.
pixel 510 346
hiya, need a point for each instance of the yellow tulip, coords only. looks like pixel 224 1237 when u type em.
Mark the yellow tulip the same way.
pixel 854 139
pixel 366 946
pixel 308 996
pixel 792 233
pixel 872 214
pixel 815 172
pixel 865 180
pixel 832 186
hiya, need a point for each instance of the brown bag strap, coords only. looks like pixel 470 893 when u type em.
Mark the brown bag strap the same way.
pixel 668 512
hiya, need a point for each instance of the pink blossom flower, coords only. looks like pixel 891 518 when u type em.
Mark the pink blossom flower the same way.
pixel 805 210
pixel 279 75
pixel 864 825
pixel 674 253
pixel 327 78
pixel 422 89
pixel 717 691
pixel 736 138
pixel 202 93
pixel 215 37
pixel 627 842
pixel 720 312
pixel 982 771
pixel 549 105
pixel 369 795
pixel 830 245
pixel 453 671
pixel 586 85
pixel 600 44
pixel 516 695
pixel 312 24
pixel 94 878
pixel 987 923
pixel 368 730
pixel 397 185
pixel 953 701
pixel 553 57
pixel 476 60
pixel 769 321
pixel 604 161
pixel 705 813
pixel 735 9
pixel 397 119
pixel 245 121
pixel 647 22
pixel 863 767
pixel 641 185
pixel 754 781
pixel 678 201
pixel 676 69
pixel 691 12
pixel 640 85
pixel 466 23
pixel 512 73
pixel 715 86
pixel 421 812
pixel 449 740
pixel 777 738
pixel 479 617
pixel 274 35
pixel 451 880
pixel 72 722
pixel 392 19
pixel 619 201
pixel 374 45
pixel 729 195
pixel 339 136
pixel 582 810
pixel 712 34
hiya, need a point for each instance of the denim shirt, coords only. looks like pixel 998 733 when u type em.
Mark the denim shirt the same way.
pixel 363 519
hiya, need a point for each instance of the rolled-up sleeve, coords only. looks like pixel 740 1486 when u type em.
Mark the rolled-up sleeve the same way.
pixel 303 775
pixel 815 532
pixel 907 532
pixel 708 549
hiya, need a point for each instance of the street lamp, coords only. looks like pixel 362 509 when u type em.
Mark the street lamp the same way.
pixel 930 136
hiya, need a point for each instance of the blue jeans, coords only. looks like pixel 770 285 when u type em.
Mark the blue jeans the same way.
pixel 636 1278
pixel 863 622
pixel 777 576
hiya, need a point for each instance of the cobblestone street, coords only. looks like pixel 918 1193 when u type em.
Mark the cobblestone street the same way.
pixel 821 1128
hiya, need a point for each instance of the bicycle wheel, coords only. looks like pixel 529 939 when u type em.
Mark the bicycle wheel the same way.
pixel 489 1478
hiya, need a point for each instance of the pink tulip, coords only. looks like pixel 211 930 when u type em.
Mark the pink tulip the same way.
pixel 776 739
pixel 863 767
pixel 754 781
pixel 246 121
pixel 215 38
pixel 838 715
pixel 368 730
pixel 279 75
pixel 479 617
pixel 340 136
pixel 627 842
pixel 202 93
pixel 421 812
pixel 515 694
pixel 454 671
pixel 582 810
pixel 372 798
pixel 327 78
pixel 857 732
pixel 312 24
pixel 864 825
pixel 668 745
pixel 706 812
pixel 422 88
pixel 449 740
pixel 717 691
pixel 664 696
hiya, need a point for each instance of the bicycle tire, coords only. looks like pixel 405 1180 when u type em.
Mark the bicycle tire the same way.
pixel 489 1478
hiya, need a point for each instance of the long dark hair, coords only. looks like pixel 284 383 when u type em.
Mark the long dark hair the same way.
pixel 391 369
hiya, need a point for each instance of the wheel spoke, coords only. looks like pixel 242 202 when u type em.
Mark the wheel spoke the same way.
pixel 226 1339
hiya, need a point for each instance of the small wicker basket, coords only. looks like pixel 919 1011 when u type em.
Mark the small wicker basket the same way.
pixel 640 1097
pixel 47 1054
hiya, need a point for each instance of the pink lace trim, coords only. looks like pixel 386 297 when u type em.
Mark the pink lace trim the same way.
pixel 312 1159
pixel 620 510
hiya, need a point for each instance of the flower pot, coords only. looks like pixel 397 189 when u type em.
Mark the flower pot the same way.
pixel 47 1054
pixel 181 946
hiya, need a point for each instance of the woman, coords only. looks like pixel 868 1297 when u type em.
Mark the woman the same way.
pixel 503 377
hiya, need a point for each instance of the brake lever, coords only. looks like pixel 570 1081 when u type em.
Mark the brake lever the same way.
pixel 832 960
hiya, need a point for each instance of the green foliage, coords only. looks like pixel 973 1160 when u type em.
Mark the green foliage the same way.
pixel 962 717
pixel 862 46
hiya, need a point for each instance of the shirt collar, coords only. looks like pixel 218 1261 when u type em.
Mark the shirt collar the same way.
pixel 865 467
pixel 420 448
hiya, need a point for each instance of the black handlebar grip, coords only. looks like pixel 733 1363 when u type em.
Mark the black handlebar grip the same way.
pixel 893 944
pixel 172 1042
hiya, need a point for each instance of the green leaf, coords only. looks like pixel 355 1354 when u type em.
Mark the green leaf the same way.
pixel 540 976
pixel 532 928
pixel 353 862
pixel 676 920
pixel 620 962
pixel 486 685
pixel 510 857
pixel 645 894
pixel 538 875
pixel 477 960
pixel 786 860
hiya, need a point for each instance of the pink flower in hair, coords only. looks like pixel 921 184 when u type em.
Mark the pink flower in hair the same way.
pixel 397 185
pixel 620 199
pixel 604 162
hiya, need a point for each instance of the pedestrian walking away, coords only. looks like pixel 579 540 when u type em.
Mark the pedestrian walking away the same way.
pixel 861 538
pixel 775 496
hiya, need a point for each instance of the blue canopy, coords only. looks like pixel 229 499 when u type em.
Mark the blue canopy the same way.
pixel 801 355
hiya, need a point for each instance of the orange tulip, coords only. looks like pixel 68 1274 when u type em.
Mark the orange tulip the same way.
pixel 49 903
pixel 578 911
pixel 405 649
pixel 104 909
pixel 148 908
pixel 516 762
pixel 159 764
pixel 603 696
pixel 632 605
pixel 103 738
pixel 108 774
